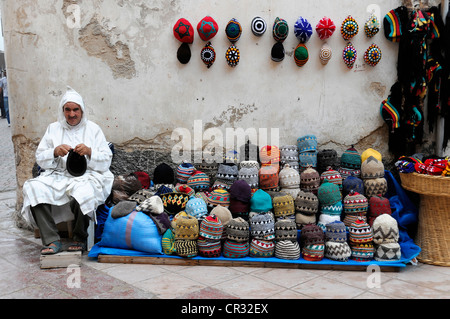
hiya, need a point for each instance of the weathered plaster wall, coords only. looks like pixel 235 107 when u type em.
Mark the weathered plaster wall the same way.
pixel 122 58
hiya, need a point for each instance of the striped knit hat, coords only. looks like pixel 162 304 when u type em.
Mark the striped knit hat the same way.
pixel 283 205
pixel 360 232
pixel 285 229
pixel 394 23
pixel 198 181
pixel 306 203
pixel 184 171
pixel 337 251
pixel 186 248
pixel 209 248
pixel 261 248
pixel 184 188
pixel 309 180
pixel 328 193
pixel 336 232
pixel 332 176
pixel 197 207
pixel 211 228
pixel 234 249
pixel 219 196
pixel 262 226
pixel 168 242
pixel 362 252
pixel 287 249
pixel 238 230
pixel 355 203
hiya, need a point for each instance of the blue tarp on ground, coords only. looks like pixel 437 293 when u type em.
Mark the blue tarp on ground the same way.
pixel 403 210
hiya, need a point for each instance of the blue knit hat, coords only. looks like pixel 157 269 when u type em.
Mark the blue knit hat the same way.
pixel 261 202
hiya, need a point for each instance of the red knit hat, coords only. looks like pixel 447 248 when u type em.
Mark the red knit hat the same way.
pixel 183 31
pixel 207 28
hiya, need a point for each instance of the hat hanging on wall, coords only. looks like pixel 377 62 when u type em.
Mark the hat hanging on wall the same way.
pixel 208 55
pixel 207 28
pixel 301 55
pixel 349 28
pixel 76 164
pixel 184 32
pixel 372 26
pixel 325 54
pixel 372 55
pixel 233 30
pixel 280 32
pixel 349 55
pixel 302 30
pixel 325 28
pixel 259 26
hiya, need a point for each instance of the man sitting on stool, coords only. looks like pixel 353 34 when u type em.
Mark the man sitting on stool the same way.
pixel 76 158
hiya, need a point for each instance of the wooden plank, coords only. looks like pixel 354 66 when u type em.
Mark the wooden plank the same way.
pixel 233 263
pixel 61 260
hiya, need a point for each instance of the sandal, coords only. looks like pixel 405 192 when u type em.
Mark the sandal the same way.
pixel 77 246
pixel 54 247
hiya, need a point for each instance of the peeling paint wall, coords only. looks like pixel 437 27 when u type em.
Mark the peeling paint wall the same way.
pixel 121 56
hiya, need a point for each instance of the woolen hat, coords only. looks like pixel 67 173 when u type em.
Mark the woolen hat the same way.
pixel 241 191
pixel 327 158
pixel 168 242
pixel 174 202
pixel 285 229
pixel 375 186
pixel 311 234
pixel 349 28
pixel 211 227
pixel 283 205
pixel 186 227
pixel 219 196
pixel 362 252
pixel 152 205
pixel 233 30
pixel 197 207
pixel 302 30
pixel 223 214
pixel 186 248
pixel 332 176
pixel 184 171
pixel 378 205
pixel 370 152
pixel 288 154
pixel 280 30
pixel 76 164
pixel 227 173
pixel 325 28
pixel 328 193
pixel 336 232
pixel 261 248
pixel 262 226
pixel 334 209
pixel 232 56
pixel 360 232
pixel 234 249
pixel 163 174
pixel 372 26
pixel 325 219
pixel 302 220
pixel 258 26
pixel 387 252
pixel 385 229
pixel 287 249
pixel 373 55
pixel 141 195
pixel 184 188
pixel 355 203
pixel 250 175
pixel 372 168
pixel 123 208
pixel 209 248
pixel 183 31
pixel 277 53
pixel 261 202
pixel 238 230
pixel 306 203
pixel 395 23
pixel 307 158
pixel 198 181
pixel 162 221
pixel 268 177
pixel 239 208
pixel 349 55
pixel 269 155
pixel 310 180
pixel 325 54
pixel 351 158
pixel 339 251
pixel 184 53
pixel 354 183
pixel 207 28
pixel 289 177
pixel 208 55
pixel 301 55
pixel 307 143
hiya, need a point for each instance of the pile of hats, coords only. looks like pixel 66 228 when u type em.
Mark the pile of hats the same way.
pixel 186 232
pixel 236 244
pixel 336 246
pixel 210 235
pixel 249 172
pixel 227 173
pixel 306 209
pixel 270 165
pixel 330 203
pixel 289 155
pixel 350 163
pixel 312 241
pixel 224 215
pixel 262 231
pixel 307 149
pixel 289 180
pixel 372 173
pixel 361 240
pixel 286 244
pixel 355 207
pixel 385 238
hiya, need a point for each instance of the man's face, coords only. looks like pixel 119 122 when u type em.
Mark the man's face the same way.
pixel 72 113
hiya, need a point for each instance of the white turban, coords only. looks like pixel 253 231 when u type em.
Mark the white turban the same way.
pixel 71 96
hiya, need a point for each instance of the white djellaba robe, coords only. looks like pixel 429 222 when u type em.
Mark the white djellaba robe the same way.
pixel 55 185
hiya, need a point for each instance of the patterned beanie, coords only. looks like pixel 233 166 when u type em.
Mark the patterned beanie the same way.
pixel 174 202
pixel 234 249
pixel 197 207
pixel 238 230
pixel 373 55
pixel 262 226
pixel 250 175
pixel 209 248
pixel 332 176
pixel 285 229
pixel 210 169
pixel 360 232
pixel 375 186
pixel 287 249
pixel 269 155
pixel 362 252
pixel 370 152
pixel 301 55
pixel 208 55
pixel 336 232
pixel 355 203
pixel 261 202
pixel 378 205
pixel 307 143
pixel 280 30
pixel 184 171
pixel 351 158
pixel 349 55
pixel 227 173
pixel 219 196
pixel 372 26
pixel 372 168
pixel 302 220
pixel 211 227
pixel 185 189
pixel 385 230
pixel 307 158
pixel 352 183
pixel 349 28
pixel 283 205
pixel 288 154
pixel 312 241
pixel 326 159
pixel 325 28
pixel 309 180
pixel 328 193
pixel 261 248
pixel 306 203
pixel 186 248
pixel 337 251
pixel 168 242
pixel 289 177
pixel 387 252
pixel 325 219
pixel 325 54
pixel 268 177
pixel 302 30
pixel 233 30
pixel 198 181
pixel 186 227
pixel 258 26
pixel 207 28
pixel 241 191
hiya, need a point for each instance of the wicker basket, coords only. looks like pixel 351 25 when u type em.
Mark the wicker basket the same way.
pixel 433 235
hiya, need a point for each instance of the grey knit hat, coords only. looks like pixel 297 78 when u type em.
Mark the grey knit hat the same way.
pixel 289 177
pixel 227 173
pixel 287 249
pixel 288 154
pixel 262 226
pixel 238 230
pixel 337 251
pixel 387 252
pixel 250 175
pixel 372 168
pixel 336 231
pixel 306 203
pixel 285 229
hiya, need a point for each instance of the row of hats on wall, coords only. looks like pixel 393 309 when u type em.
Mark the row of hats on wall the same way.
pixel 207 29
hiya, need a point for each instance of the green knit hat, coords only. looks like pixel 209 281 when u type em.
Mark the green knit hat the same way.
pixel 351 158
pixel 328 193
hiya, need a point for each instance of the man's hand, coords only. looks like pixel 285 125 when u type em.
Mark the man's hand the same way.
pixel 62 150
pixel 82 150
